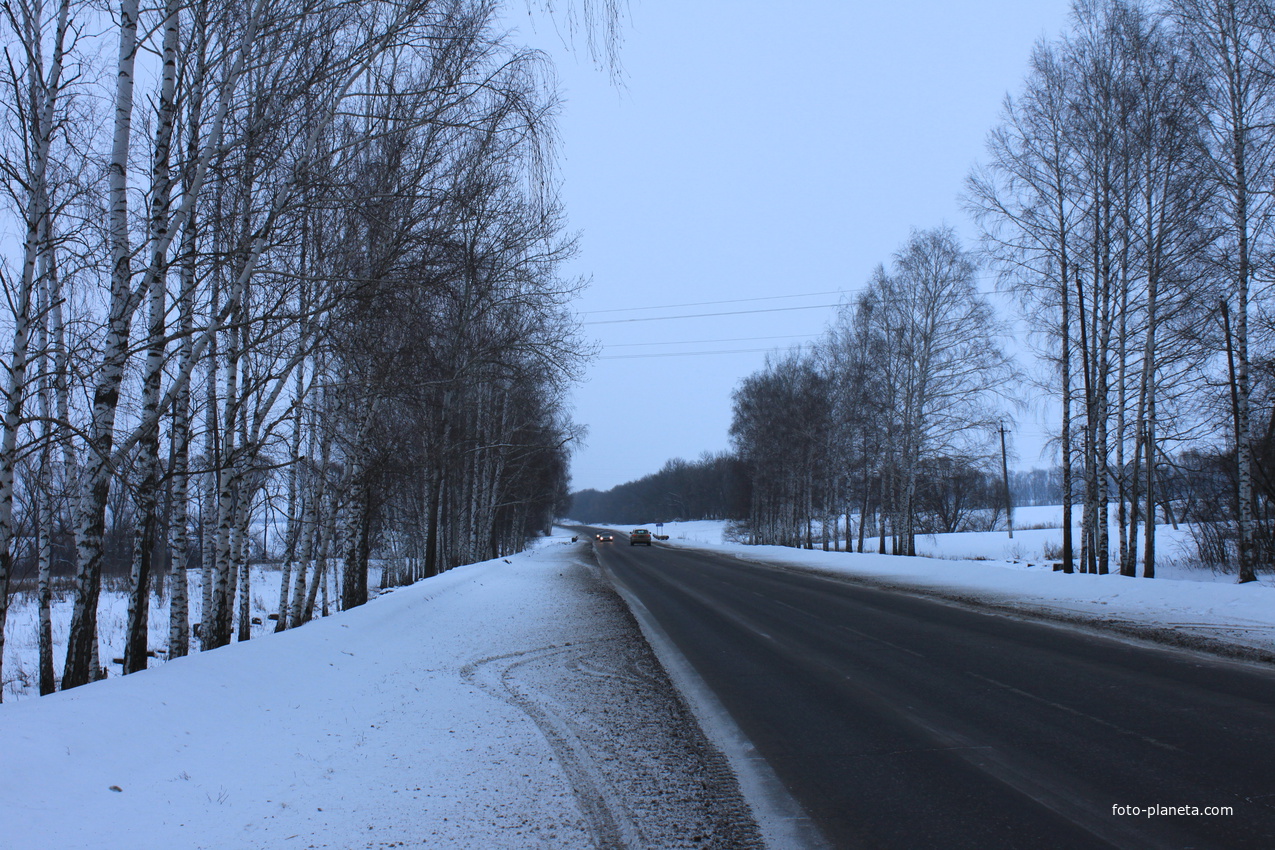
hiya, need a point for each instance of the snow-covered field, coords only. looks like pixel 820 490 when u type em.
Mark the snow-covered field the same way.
pixel 508 704
pixel 1037 539
pixel 1190 601
pixel 21 673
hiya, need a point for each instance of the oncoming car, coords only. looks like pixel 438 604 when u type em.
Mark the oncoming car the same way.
pixel 605 537
pixel 639 535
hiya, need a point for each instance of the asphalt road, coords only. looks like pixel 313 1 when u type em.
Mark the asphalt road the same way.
pixel 904 722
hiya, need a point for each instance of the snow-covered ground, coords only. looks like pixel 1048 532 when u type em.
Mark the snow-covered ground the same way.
pixel 1037 539
pixel 21 650
pixel 1200 605
pixel 508 704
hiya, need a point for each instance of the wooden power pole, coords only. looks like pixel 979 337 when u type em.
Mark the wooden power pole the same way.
pixel 1009 503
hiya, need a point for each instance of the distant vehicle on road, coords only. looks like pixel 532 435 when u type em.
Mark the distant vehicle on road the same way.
pixel 605 537
pixel 639 535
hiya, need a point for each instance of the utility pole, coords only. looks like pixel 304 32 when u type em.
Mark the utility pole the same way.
pixel 1009 504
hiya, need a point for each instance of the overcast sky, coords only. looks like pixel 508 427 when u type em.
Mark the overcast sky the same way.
pixel 751 155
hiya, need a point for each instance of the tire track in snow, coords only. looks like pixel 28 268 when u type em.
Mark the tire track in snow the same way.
pixel 641 768
pixel 606 815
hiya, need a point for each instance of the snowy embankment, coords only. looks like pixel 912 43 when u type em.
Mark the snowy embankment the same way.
pixel 1199 606
pixel 508 704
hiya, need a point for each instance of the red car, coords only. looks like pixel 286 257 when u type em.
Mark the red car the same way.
pixel 639 535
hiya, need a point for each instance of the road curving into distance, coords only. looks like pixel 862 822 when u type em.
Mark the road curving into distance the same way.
pixel 898 721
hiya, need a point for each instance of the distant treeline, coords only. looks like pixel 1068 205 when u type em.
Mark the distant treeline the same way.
pixel 718 487
pixel 713 487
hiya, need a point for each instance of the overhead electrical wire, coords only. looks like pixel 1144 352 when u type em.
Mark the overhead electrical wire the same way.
pixel 703 316
pixel 706 315
pixel 709 303
pixel 854 292
pixel 681 354
pixel 707 341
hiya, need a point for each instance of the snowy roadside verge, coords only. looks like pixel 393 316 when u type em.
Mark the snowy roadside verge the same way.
pixel 511 703
pixel 1234 620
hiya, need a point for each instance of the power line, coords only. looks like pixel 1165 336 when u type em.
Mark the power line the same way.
pixel 706 341
pixel 706 315
pixel 859 291
pixel 682 354
pixel 708 303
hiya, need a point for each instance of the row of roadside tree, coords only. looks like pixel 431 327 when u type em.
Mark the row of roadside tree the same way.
pixel 1125 202
pixel 285 274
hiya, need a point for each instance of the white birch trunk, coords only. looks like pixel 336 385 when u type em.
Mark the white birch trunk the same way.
pixel 223 585
pixel 307 549
pixel 310 522
pixel 90 520
pixel 243 551
pixel 327 578
pixel 146 535
pixel 294 518
pixel 179 521
pixel 44 503
pixel 322 549
pixel 212 488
